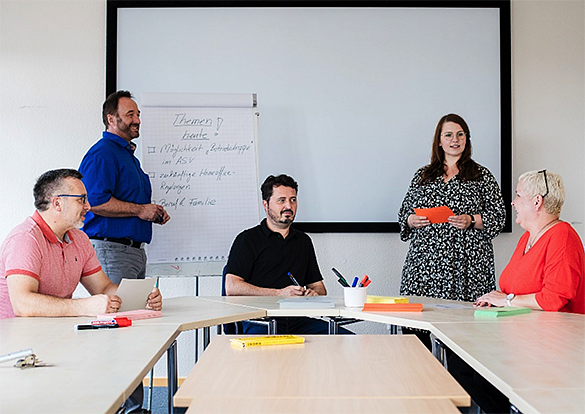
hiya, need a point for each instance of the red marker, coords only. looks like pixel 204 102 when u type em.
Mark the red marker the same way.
pixel 105 324
pixel 364 280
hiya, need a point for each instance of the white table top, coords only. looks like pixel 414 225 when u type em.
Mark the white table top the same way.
pixel 95 371
pixel 536 359
pixel 272 307
pixel 91 371
pixel 190 312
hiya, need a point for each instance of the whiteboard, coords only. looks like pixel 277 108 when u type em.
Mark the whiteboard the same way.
pixel 200 153
pixel 350 95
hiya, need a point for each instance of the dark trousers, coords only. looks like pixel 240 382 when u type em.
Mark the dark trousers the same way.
pixel 293 326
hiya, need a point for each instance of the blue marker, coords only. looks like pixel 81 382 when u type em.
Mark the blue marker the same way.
pixel 355 281
pixel 293 279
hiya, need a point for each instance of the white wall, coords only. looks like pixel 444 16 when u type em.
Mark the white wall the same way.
pixel 52 72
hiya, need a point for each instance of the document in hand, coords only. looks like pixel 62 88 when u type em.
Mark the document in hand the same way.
pixel 435 214
pixel 134 293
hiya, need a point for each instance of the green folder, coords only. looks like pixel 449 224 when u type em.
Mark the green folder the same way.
pixel 498 312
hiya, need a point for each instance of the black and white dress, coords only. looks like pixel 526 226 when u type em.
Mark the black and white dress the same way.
pixel 444 261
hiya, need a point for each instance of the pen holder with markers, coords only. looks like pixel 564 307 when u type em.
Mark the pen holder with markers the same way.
pixel 355 297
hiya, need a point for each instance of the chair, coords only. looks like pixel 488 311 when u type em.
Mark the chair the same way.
pixel 236 328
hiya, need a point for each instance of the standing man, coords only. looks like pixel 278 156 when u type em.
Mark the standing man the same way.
pixel 120 192
pixel 262 257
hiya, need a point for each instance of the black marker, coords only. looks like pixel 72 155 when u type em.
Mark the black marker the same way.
pixel 341 278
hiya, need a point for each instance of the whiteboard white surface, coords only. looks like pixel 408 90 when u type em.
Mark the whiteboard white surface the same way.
pixel 202 165
pixel 349 96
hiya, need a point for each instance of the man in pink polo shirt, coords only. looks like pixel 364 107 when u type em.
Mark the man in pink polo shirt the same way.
pixel 43 259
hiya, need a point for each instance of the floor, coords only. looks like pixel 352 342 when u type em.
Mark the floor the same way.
pixel 160 401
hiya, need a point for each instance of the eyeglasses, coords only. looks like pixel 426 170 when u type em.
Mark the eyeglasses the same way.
pixel 82 197
pixel 545 181
pixel 450 135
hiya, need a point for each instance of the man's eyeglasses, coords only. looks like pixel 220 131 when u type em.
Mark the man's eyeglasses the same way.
pixel 450 135
pixel 82 197
pixel 545 181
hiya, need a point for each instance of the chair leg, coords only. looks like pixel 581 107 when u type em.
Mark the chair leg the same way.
pixel 150 389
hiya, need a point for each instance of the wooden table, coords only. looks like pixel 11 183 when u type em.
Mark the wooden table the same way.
pixel 96 371
pixel 539 366
pixel 344 366
pixel 536 359
pixel 91 371
pixel 322 406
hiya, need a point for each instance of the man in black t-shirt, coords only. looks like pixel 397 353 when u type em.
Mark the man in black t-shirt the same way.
pixel 262 257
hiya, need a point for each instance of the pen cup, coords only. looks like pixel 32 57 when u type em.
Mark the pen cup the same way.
pixel 355 297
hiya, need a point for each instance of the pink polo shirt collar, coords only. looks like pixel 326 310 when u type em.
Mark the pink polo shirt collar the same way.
pixel 47 232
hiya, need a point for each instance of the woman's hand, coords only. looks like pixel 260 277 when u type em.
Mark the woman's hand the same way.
pixel 415 222
pixel 461 222
pixel 494 298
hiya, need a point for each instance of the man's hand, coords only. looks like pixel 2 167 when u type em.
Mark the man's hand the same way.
pixel 292 290
pixel 154 301
pixel 311 292
pixel 154 213
pixel 97 304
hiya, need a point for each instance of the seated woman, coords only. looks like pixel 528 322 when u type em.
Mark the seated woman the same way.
pixel 547 269
pixel 546 272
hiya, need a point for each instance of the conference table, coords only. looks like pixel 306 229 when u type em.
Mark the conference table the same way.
pixel 322 406
pixel 347 367
pixel 535 359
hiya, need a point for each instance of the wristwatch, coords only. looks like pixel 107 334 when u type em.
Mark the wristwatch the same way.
pixel 472 225
pixel 509 298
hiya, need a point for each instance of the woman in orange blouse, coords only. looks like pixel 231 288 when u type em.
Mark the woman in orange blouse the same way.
pixel 546 272
pixel 547 269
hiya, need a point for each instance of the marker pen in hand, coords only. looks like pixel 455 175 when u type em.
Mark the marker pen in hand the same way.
pixel 293 279
pixel 295 282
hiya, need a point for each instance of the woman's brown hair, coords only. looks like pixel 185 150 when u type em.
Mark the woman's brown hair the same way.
pixel 468 169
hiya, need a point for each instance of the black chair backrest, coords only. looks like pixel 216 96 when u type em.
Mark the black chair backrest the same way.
pixel 223 281
pixel 228 328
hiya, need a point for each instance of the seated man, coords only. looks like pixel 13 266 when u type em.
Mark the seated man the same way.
pixel 262 257
pixel 43 259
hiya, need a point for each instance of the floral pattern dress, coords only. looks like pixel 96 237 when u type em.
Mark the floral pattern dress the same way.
pixel 442 260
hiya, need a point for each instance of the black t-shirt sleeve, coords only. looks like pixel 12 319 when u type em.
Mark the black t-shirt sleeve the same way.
pixel 241 258
pixel 313 273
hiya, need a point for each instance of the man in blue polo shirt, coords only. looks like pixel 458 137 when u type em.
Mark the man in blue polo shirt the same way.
pixel 120 221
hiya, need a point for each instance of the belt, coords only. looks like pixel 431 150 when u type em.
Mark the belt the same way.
pixel 126 242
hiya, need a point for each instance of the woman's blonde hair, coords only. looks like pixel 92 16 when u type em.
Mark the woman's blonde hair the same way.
pixel 549 185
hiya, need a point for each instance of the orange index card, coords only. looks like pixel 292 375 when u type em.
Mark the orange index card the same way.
pixel 435 214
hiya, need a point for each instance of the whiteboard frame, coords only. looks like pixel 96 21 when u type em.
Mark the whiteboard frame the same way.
pixel 503 7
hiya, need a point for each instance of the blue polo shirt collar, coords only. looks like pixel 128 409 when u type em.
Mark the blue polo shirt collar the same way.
pixel 119 140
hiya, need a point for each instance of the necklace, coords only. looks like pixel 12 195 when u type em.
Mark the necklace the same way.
pixel 530 244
